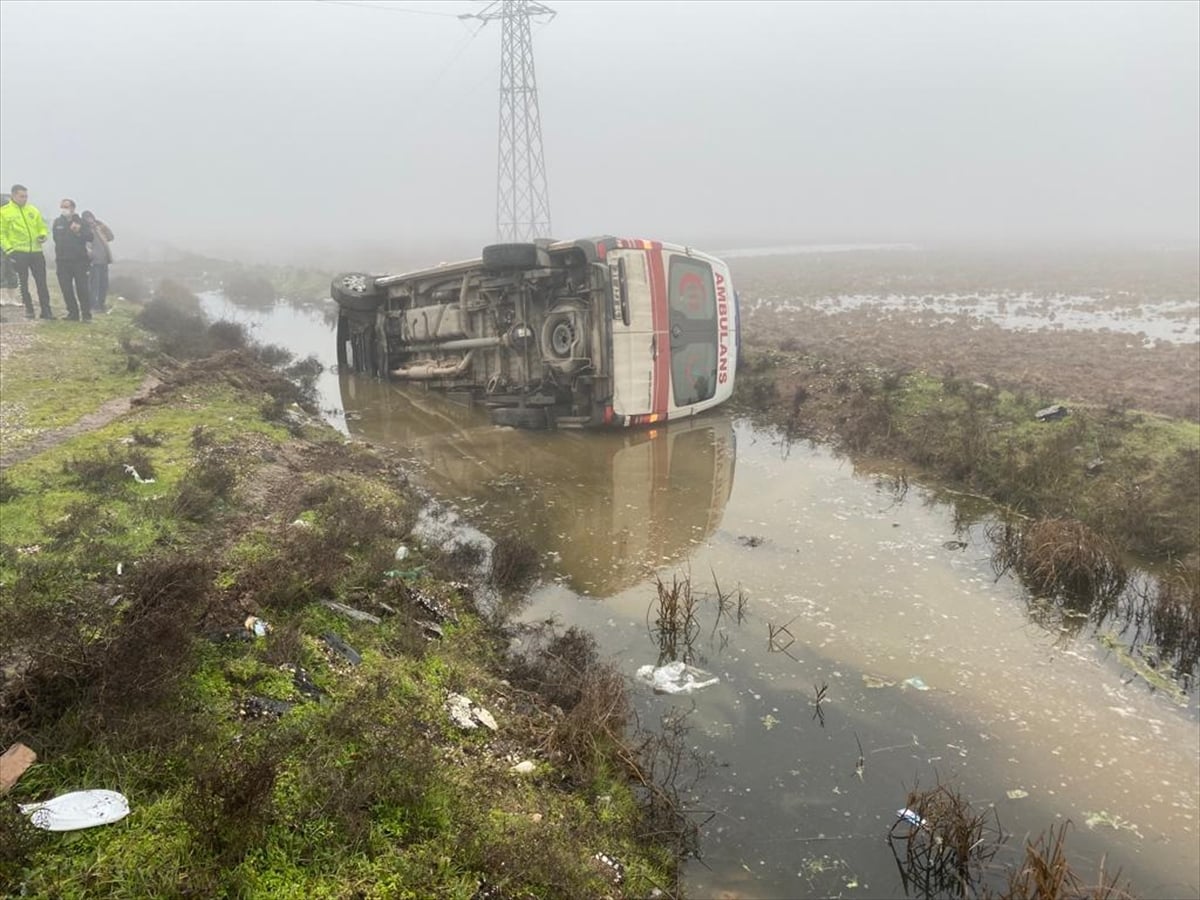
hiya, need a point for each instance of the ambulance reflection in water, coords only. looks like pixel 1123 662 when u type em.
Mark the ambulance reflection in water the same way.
pixel 603 508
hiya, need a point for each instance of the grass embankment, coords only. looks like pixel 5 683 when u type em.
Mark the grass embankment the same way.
pixel 317 760
pixel 1130 479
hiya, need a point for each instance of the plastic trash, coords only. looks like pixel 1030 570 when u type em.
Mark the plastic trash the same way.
pixel 909 816
pixel 1017 794
pixel 916 683
pixel 130 470
pixel 257 626
pixel 675 678
pixel 525 767
pixel 405 574
pixel 401 553
pixel 79 809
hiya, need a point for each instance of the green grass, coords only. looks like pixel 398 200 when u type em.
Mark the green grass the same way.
pixel 70 370
pixel 368 790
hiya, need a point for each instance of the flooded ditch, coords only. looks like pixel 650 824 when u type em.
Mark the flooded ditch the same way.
pixel 865 645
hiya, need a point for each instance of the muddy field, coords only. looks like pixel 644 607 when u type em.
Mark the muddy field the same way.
pixel 1101 327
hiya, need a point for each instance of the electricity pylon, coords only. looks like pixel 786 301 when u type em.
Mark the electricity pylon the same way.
pixel 522 197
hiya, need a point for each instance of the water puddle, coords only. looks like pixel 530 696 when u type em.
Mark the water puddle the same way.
pixel 850 592
pixel 864 645
pixel 1173 322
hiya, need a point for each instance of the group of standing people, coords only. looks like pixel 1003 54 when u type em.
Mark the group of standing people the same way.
pixel 82 255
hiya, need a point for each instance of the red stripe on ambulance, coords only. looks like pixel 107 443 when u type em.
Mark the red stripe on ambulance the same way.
pixel 662 341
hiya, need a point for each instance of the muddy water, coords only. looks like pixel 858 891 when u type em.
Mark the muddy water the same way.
pixel 929 662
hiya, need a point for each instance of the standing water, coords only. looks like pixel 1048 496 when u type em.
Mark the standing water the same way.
pixel 873 651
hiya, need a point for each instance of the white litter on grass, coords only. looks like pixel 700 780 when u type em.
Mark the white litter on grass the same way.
pixel 525 767
pixel 79 809
pixel 130 470
pixel 675 678
pixel 257 626
pixel 401 553
pixel 467 714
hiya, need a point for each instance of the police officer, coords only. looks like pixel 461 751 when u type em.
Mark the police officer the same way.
pixel 22 233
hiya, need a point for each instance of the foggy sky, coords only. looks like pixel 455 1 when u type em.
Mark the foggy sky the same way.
pixel 324 132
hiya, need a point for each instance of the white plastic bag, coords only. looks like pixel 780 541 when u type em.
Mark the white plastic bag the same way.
pixel 675 678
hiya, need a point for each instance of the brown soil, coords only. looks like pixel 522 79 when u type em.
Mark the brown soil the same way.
pixel 1093 367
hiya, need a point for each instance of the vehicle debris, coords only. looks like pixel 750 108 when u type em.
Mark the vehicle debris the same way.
pixel 1052 413
pixel 77 810
pixel 13 763
pixel 350 612
pixel 571 334
pixel 254 707
pixel 342 649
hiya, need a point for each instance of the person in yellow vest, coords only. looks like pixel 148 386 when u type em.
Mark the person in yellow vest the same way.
pixel 22 233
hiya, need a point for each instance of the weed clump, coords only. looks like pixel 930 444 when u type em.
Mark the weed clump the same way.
pixel 111 472
pixel 89 665
pixel 347 542
pixel 1045 874
pixel 230 802
pixel 1175 616
pixel 514 563
pixel 1061 558
pixel 225 335
pixel 206 484
pixel 567 672
pixel 947 845
pixel 8 490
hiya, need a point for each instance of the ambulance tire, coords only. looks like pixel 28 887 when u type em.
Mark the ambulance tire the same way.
pixel 511 256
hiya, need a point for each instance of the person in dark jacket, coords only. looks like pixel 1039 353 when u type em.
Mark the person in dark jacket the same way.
pixel 101 257
pixel 71 238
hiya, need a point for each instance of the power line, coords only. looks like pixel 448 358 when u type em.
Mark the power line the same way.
pixel 395 9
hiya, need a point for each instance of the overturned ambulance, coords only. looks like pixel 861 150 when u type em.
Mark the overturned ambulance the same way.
pixel 570 334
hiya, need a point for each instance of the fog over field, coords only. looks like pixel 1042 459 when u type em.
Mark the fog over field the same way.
pixel 340 133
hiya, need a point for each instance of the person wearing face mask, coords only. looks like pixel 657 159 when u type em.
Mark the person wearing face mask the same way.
pixel 22 233
pixel 71 238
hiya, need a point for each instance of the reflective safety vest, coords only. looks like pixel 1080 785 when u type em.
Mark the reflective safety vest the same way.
pixel 20 228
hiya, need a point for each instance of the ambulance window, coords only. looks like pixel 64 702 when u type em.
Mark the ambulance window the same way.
pixel 693 304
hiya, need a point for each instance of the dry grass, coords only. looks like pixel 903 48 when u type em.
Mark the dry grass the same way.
pixel 1061 558
pixel 950 852
pixel 676 624
pixel 1045 874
